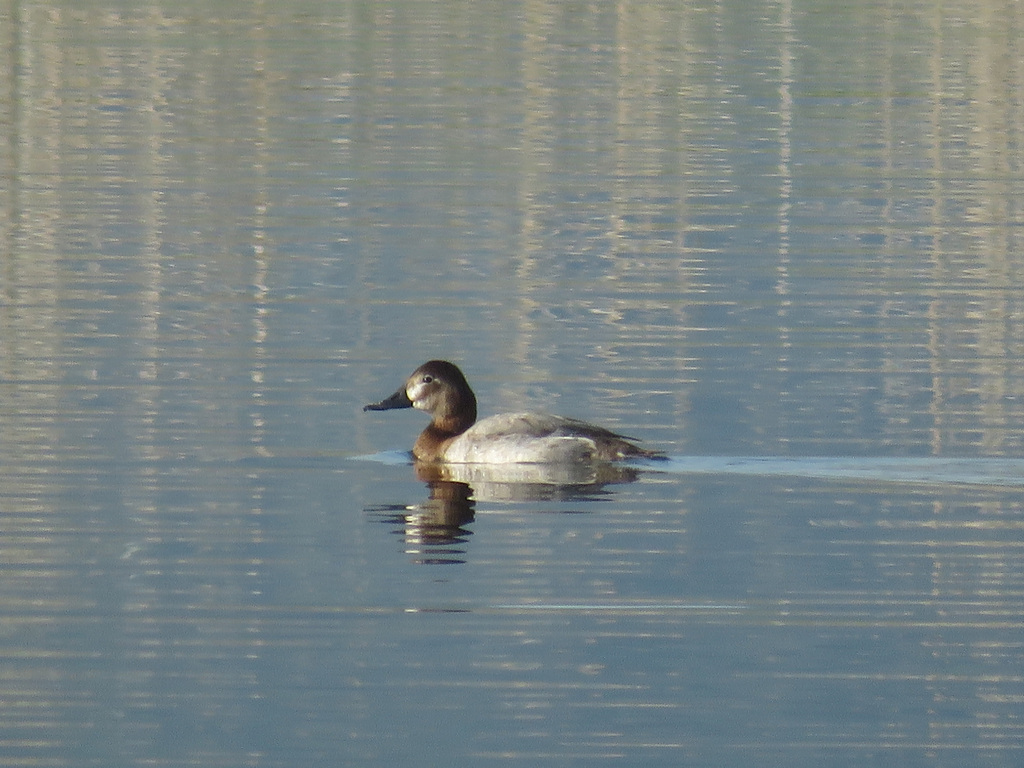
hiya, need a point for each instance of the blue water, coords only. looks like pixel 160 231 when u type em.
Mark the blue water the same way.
pixel 780 243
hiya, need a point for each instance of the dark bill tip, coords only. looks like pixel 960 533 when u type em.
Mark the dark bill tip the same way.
pixel 397 400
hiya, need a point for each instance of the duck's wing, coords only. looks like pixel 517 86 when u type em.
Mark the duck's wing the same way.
pixel 527 426
pixel 610 445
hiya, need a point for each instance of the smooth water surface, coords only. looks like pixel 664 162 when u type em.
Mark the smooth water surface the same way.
pixel 779 241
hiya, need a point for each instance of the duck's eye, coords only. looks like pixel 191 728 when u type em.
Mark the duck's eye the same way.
pixel 427 379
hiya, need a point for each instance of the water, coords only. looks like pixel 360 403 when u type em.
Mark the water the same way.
pixel 780 243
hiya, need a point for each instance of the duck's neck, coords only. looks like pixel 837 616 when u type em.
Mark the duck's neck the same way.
pixel 433 440
pixel 456 419
pixel 450 426
pixel 445 427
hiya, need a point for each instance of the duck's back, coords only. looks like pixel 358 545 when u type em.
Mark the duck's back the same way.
pixel 526 437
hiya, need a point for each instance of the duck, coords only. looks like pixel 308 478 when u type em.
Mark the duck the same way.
pixel 454 436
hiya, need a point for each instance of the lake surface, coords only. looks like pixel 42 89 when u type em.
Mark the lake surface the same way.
pixel 781 242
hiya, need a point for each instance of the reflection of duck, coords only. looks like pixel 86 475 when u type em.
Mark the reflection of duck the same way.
pixel 434 531
pixel 526 482
pixel 455 436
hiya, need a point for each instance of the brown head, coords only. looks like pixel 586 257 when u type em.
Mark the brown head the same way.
pixel 440 389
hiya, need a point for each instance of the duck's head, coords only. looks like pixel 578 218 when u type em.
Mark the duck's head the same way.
pixel 440 389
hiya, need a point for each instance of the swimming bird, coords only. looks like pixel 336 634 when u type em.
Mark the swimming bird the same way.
pixel 455 436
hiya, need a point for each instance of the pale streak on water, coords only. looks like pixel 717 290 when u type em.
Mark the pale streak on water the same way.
pixel 781 243
pixel 924 471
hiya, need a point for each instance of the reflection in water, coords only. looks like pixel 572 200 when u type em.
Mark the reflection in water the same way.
pixel 529 482
pixel 435 530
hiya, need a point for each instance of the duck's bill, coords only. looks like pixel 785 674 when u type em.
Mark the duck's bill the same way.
pixel 397 400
